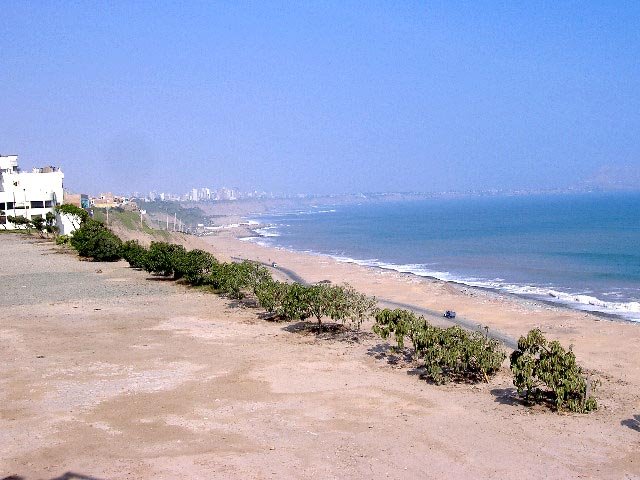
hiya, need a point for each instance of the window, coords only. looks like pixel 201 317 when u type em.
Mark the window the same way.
pixel 2 206
pixel 48 203
pixel 3 220
pixel 9 205
pixel 33 217
pixel 37 204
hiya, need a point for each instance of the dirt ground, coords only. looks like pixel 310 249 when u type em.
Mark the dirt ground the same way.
pixel 105 373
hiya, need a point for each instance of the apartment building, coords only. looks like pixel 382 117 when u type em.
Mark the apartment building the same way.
pixel 29 194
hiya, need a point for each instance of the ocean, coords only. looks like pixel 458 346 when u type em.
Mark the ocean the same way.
pixel 581 251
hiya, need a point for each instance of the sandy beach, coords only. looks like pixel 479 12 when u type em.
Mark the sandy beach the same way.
pixel 109 374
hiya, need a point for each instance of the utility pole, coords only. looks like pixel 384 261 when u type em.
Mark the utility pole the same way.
pixel 174 222
pixel 167 222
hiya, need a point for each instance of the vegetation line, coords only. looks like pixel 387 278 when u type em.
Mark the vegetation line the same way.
pixel 508 341
pixel 543 371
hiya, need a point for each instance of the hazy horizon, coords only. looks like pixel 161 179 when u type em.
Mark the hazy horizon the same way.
pixel 323 98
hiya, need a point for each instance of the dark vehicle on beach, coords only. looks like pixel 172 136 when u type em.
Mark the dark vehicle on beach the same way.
pixel 449 314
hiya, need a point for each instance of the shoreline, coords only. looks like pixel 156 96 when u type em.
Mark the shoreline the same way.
pixel 252 234
pixel 603 344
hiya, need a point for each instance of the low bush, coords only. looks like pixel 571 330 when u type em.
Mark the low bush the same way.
pixel 340 303
pixel 271 294
pixel 134 253
pixel 238 279
pixel 161 258
pixel 544 371
pixel 63 240
pixel 20 221
pixel 94 240
pixel 195 266
pixel 398 322
pixel 293 301
pixel 447 353
pixel 454 353
pixel 287 301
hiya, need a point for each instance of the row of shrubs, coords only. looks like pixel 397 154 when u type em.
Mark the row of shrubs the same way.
pixel 42 225
pixel 543 371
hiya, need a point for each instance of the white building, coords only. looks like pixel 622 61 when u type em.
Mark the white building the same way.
pixel 29 194
pixel 205 194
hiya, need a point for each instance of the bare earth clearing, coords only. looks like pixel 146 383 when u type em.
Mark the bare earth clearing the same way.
pixel 109 374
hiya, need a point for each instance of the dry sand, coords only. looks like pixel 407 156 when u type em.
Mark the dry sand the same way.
pixel 108 374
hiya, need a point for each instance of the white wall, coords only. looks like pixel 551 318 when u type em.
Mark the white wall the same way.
pixel 19 189
pixel 67 224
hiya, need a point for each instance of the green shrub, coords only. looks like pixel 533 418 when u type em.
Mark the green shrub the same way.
pixel 538 363
pixel 299 302
pixel 195 266
pixel 447 353
pixel 20 221
pixel 238 279
pixel 399 322
pixel 96 241
pixel 162 257
pixel 134 253
pixel 69 209
pixel 63 240
pixel 50 223
pixel 271 294
pixel 295 303
pixel 454 353
pixel 288 301
pixel 351 305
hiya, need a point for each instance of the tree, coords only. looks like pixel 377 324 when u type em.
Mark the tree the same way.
pixel 50 223
pixel 161 258
pixel 20 221
pixel 93 239
pixel 271 294
pixel 76 215
pixel 195 266
pixel 539 363
pixel 134 253
pixel 295 303
pixel 38 224
pixel 346 303
pixel 400 322
pixel 319 298
pixel 447 353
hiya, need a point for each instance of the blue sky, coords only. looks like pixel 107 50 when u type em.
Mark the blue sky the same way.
pixel 322 97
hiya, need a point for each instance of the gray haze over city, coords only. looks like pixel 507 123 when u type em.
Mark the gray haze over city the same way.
pixel 329 97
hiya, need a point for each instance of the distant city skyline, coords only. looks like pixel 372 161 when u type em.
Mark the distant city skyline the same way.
pixel 330 97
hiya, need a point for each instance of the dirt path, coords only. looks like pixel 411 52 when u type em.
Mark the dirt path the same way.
pixel 109 375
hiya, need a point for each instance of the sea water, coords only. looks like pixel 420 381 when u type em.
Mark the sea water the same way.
pixel 578 250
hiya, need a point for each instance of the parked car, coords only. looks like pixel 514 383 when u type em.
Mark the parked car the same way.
pixel 449 314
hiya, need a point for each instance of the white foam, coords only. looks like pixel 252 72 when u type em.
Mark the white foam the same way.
pixel 229 226
pixel 581 301
pixel 268 231
pixel 297 212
